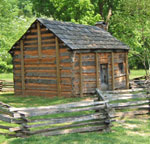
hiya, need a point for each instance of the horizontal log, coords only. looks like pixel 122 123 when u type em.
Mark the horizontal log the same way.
pixel 51 73
pixel 77 130
pixel 133 107
pixel 38 93
pixel 5 110
pixel 40 81
pixel 6 118
pixel 87 63
pixel 131 113
pixel 47 88
pixel 31 36
pixel 65 54
pixel 66 126
pixel 61 110
pixel 113 97
pixel 30 41
pixel 67 120
pixel 4 105
pixel 128 104
pixel 125 91
pixel 5 127
pixel 46 34
pixel 69 105
pixel 123 98
pixel 40 65
pixel 14 129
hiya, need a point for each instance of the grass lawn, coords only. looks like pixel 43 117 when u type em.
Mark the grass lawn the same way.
pixel 136 73
pixel 6 76
pixel 131 131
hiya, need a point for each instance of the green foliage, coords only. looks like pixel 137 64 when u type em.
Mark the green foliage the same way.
pixel 78 11
pixel 129 22
pixel 131 25
pixel 14 18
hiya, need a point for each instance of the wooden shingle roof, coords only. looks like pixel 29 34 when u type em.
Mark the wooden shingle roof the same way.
pixel 77 36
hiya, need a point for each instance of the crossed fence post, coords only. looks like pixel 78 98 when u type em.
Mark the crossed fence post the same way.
pixel 107 110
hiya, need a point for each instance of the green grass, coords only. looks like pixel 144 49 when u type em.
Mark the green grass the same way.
pixel 131 131
pixel 136 73
pixel 6 76
pixel 32 101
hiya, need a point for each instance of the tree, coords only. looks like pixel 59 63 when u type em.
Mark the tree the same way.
pixel 78 11
pixel 131 24
pixel 13 24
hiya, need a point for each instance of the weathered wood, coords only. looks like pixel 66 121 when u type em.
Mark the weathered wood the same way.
pixel 5 127
pixel 5 110
pixel 112 70
pixel 144 106
pixel 97 71
pixel 128 104
pixel 67 126
pixel 4 105
pixel 100 95
pixel 62 110
pixel 126 70
pixel 124 97
pixel 131 113
pixel 67 120
pixel 22 67
pixel 69 105
pixel 6 118
pixel 58 67
pixel 125 91
pixel 77 130
pixel 81 78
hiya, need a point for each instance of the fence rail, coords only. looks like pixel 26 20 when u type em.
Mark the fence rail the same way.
pixel 127 103
pixel 6 85
pixel 84 116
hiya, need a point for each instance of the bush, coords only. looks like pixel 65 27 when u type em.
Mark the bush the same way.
pixel 4 66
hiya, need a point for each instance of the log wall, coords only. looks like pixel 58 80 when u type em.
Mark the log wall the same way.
pixel 119 78
pixel 40 67
pixel 91 71
pixel 45 66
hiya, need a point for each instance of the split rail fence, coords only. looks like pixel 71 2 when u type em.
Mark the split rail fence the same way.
pixel 130 102
pixel 6 85
pixel 84 116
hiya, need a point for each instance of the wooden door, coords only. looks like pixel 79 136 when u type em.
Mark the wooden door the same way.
pixel 104 76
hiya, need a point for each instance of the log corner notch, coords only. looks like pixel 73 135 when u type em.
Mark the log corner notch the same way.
pixel 39 40
pixel 22 67
pixel 58 67
pixel 126 70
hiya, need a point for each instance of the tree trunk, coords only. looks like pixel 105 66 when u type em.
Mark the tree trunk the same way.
pixel 108 17
pixel 101 5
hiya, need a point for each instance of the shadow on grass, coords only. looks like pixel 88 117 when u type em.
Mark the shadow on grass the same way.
pixel 118 136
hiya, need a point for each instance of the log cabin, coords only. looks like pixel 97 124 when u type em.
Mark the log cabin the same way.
pixel 64 59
